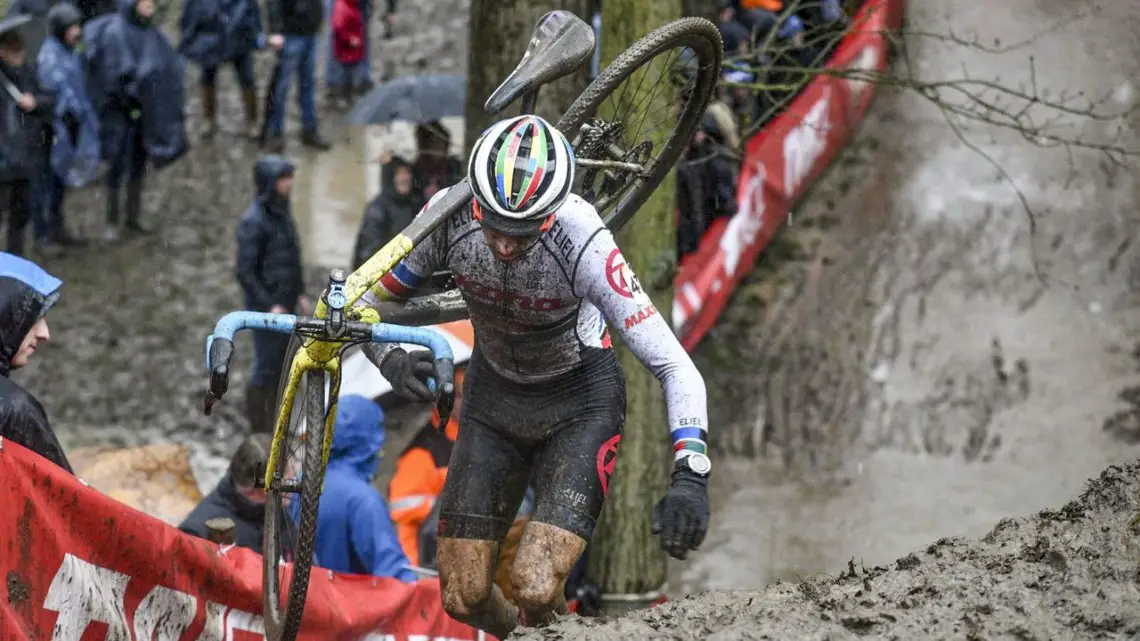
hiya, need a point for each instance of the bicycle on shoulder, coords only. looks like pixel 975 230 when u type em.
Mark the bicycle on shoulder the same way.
pixel 620 169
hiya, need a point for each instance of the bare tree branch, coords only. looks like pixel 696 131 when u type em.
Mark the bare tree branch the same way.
pixel 779 69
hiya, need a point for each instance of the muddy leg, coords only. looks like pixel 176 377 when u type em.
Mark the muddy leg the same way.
pixel 466 577
pixel 544 560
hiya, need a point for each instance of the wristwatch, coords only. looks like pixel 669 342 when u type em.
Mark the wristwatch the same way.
pixel 698 463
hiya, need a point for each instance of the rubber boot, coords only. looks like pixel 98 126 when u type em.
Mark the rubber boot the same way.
pixel 134 208
pixel 249 101
pixel 210 110
pixel 313 139
pixel 111 232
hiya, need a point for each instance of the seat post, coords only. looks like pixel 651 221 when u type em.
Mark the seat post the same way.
pixel 529 101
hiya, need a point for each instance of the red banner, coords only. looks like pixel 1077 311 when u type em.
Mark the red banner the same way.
pixel 80 566
pixel 780 162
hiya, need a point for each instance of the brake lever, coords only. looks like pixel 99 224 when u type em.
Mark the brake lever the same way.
pixel 445 403
pixel 211 401
pixel 445 400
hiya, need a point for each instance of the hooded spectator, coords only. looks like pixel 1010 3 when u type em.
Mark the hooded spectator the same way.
pixel 27 292
pixel 74 157
pixel 269 269
pixel 434 168
pixel 388 213
pixel 295 27
pixel 135 82
pixel 354 531
pixel 235 496
pixel 26 134
pixel 221 32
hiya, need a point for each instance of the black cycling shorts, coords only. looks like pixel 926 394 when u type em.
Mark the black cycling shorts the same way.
pixel 564 434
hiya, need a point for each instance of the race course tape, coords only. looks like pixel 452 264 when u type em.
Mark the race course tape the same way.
pixel 80 566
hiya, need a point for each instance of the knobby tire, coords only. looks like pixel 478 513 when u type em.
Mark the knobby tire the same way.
pixel 704 39
pixel 283 619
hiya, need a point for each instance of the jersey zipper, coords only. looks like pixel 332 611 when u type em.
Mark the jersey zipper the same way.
pixel 505 310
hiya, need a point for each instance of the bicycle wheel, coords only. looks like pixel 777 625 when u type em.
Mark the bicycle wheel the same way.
pixel 603 141
pixel 290 529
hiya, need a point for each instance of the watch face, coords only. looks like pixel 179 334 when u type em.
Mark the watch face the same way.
pixel 699 463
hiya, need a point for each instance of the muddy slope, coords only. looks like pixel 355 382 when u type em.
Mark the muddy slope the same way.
pixel 907 373
pixel 1065 573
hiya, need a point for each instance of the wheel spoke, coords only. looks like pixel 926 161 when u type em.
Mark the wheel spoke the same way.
pixel 635 120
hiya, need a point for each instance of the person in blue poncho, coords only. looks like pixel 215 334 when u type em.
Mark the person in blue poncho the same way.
pixel 135 83
pixel 74 159
pixel 354 532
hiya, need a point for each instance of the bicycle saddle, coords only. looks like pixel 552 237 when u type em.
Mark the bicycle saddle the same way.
pixel 560 43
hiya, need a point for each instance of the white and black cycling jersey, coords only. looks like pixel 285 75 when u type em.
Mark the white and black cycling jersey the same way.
pixel 537 317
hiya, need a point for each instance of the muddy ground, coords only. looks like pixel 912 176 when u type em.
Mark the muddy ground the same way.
pixel 1067 573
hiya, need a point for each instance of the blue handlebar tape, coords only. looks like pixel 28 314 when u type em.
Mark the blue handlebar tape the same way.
pixel 234 322
pixel 429 338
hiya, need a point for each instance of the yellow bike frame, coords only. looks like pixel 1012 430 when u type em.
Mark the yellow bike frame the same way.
pixel 324 354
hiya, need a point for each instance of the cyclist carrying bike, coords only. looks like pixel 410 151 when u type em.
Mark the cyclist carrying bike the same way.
pixel 543 279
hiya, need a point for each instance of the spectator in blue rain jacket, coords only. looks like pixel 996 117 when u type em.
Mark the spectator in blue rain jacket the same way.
pixel 354 532
pixel 74 160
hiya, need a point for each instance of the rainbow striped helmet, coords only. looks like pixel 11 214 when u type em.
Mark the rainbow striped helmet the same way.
pixel 520 170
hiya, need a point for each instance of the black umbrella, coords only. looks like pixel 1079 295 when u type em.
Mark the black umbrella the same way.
pixel 14 22
pixel 414 98
pixel 32 28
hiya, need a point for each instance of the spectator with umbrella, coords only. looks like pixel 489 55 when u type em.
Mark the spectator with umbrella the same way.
pixel 422 99
pixel 135 81
pixel 25 119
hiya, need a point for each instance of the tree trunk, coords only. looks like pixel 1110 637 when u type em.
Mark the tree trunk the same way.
pixel 624 557
pixel 500 31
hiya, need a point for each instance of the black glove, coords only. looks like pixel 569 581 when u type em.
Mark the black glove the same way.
pixel 408 372
pixel 681 518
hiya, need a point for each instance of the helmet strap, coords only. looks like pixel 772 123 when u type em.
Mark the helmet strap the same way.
pixel 477 214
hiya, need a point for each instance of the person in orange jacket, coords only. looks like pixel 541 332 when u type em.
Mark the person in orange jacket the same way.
pixel 420 473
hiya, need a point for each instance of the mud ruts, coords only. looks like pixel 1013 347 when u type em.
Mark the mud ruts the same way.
pixel 1062 574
